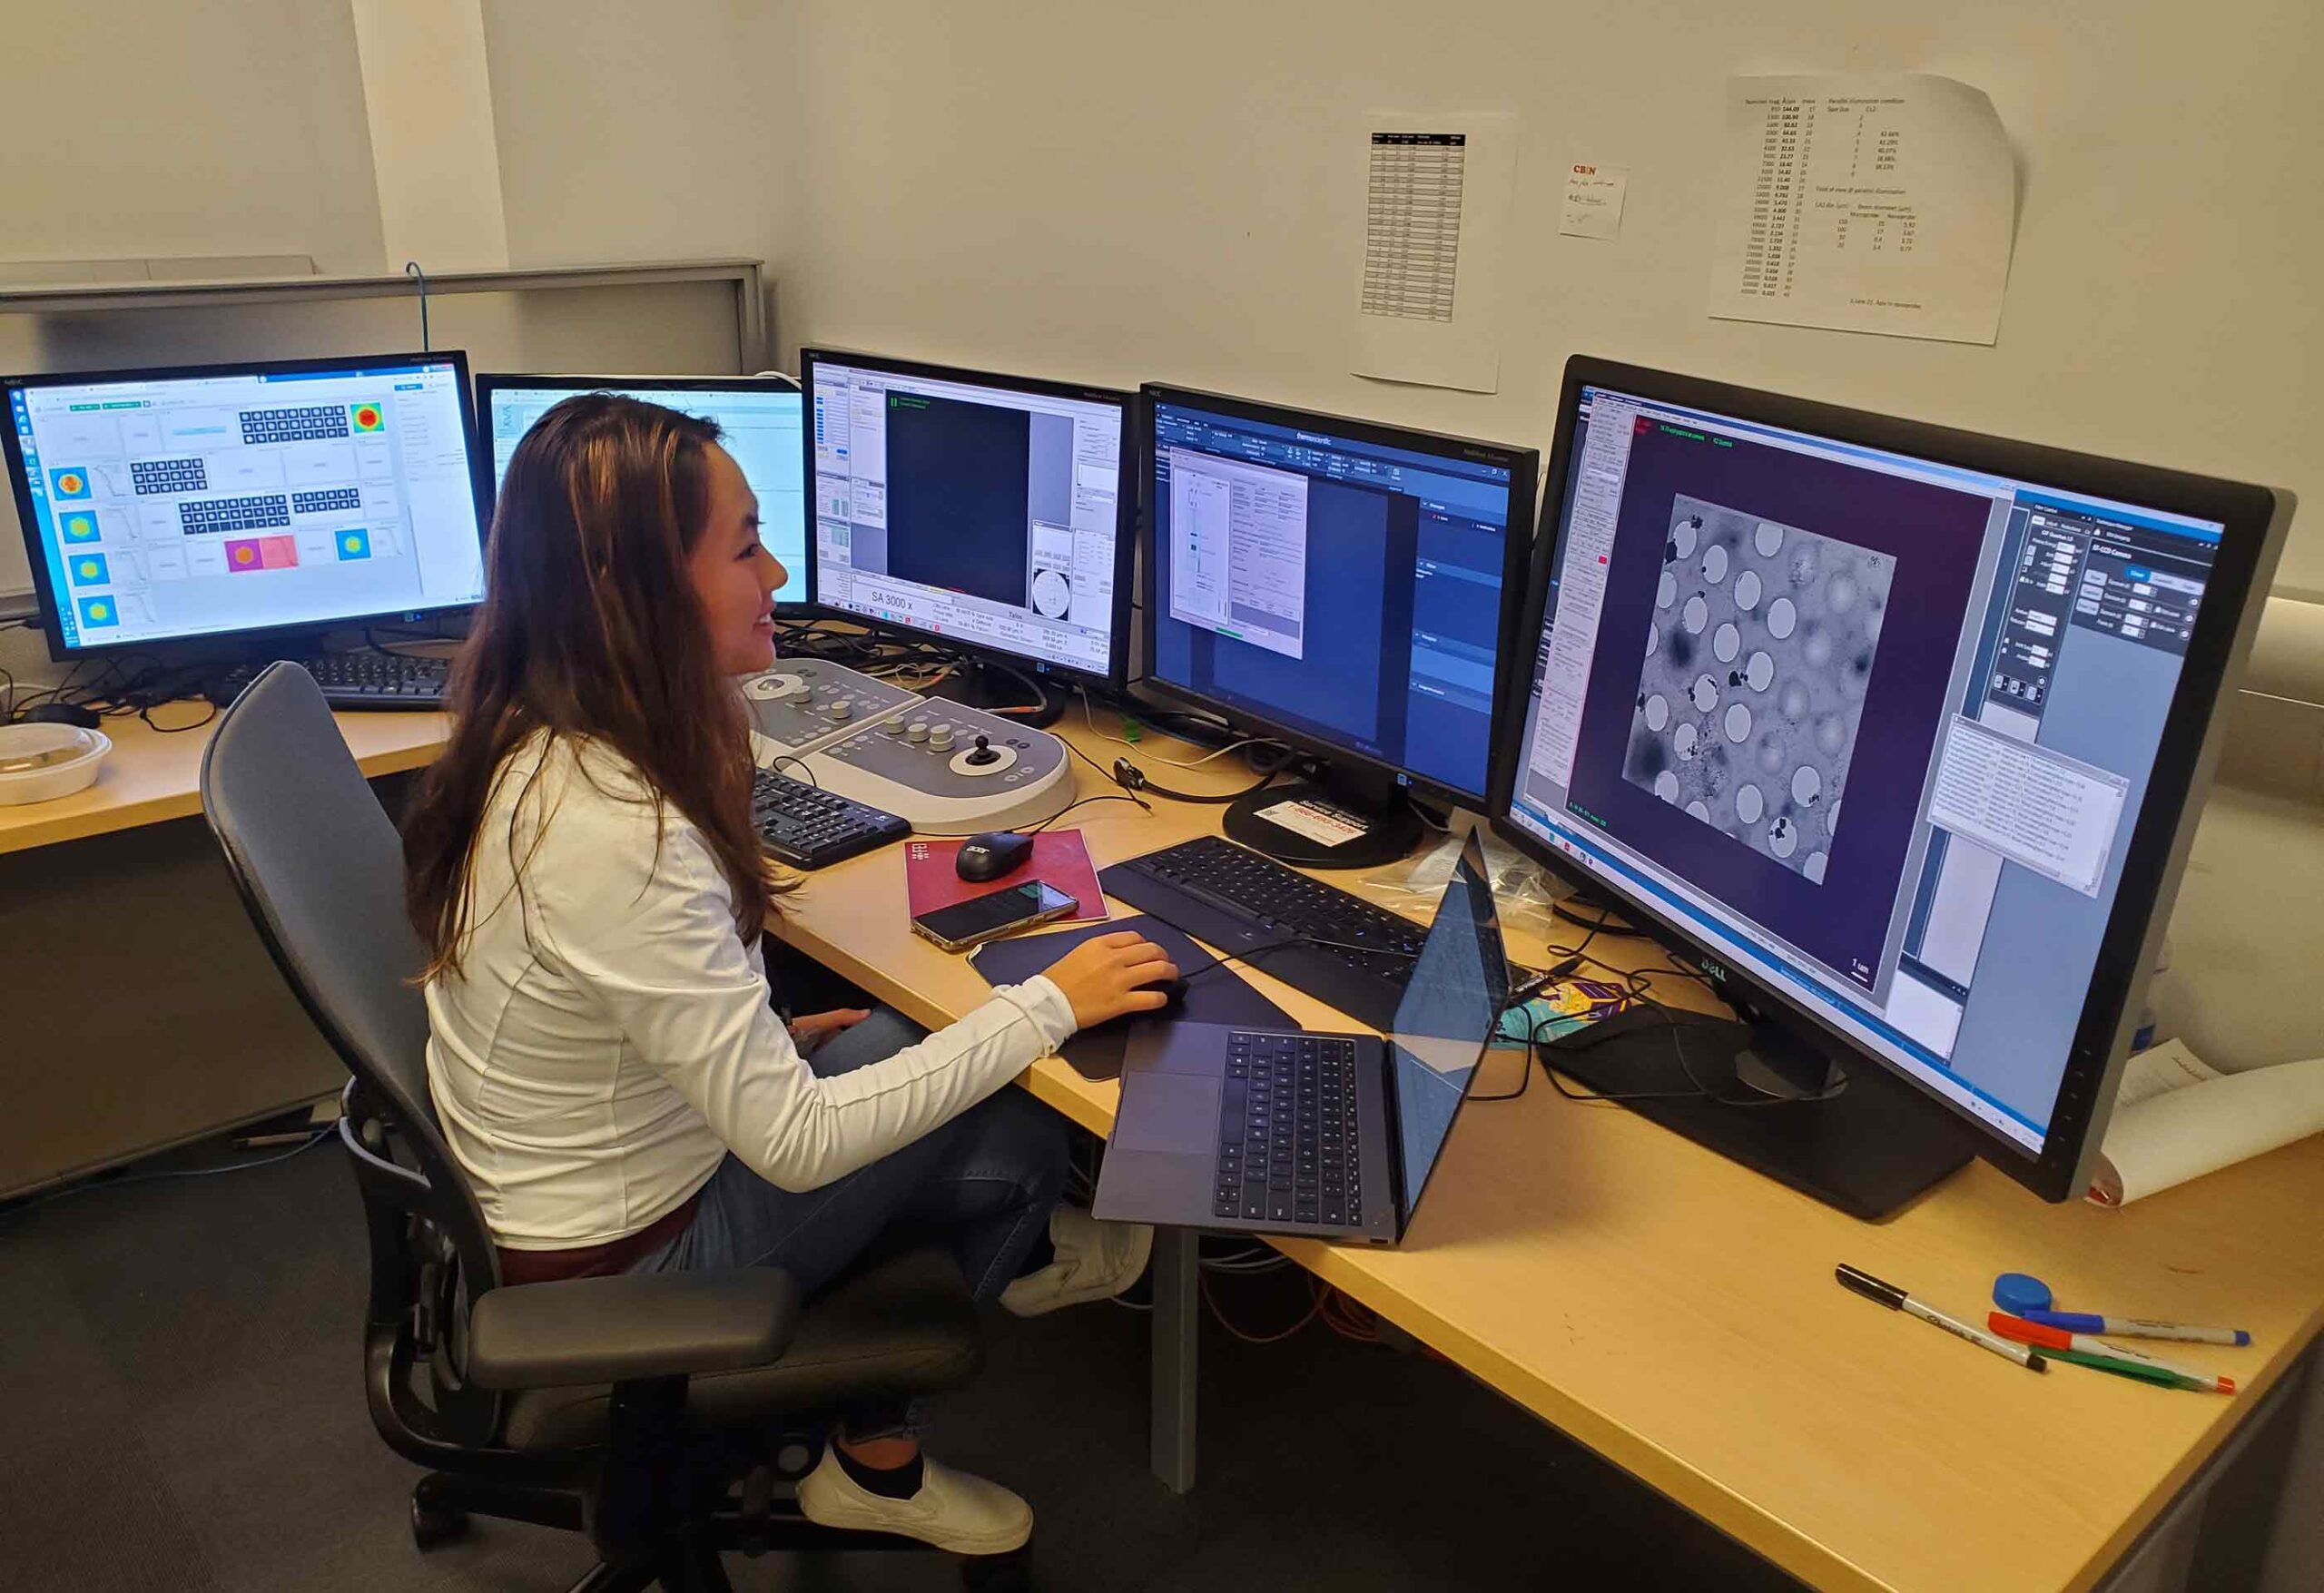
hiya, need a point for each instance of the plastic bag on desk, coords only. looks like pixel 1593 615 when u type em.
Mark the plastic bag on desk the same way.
pixel 1413 885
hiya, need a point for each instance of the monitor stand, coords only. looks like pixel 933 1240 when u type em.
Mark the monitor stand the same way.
pixel 1853 1139
pixel 1385 810
pixel 1001 689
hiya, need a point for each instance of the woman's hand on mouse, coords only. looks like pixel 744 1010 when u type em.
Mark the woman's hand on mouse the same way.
pixel 1109 975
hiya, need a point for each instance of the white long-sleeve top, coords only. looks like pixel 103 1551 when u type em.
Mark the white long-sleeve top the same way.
pixel 608 1038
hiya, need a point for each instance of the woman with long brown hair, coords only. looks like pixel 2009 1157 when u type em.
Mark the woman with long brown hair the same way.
pixel 582 867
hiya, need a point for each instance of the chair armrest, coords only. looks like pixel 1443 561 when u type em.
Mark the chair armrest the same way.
pixel 632 1326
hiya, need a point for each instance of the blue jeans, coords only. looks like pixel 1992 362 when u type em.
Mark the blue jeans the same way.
pixel 984 1184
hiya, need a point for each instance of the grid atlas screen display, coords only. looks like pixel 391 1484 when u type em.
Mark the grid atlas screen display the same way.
pixel 1346 590
pixel 187 505
pixel 760 427
pixel 986 515
pixel 1874 728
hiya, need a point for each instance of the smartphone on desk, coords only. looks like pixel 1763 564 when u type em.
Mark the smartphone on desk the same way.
pixel 996 913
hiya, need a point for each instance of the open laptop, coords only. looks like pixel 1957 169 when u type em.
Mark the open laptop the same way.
pixel 1268 1131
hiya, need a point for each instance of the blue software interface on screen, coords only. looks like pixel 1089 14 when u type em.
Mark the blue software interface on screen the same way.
pixel 176 506
pixel 760 429
pixel 1345 589
pixel 1875 727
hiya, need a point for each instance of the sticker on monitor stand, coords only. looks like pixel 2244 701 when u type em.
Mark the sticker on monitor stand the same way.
pixel 1320 822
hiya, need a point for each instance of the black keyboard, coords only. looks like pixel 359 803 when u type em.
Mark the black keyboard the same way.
pixel 811 828
pixel 365 680
pixel 1337 947
pixel 1287 1140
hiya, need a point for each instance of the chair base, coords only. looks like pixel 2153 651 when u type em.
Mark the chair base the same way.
pixel 442 1503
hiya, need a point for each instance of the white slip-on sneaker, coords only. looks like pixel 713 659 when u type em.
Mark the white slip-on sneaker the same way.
pixel 953 1510
pixel 1095 1261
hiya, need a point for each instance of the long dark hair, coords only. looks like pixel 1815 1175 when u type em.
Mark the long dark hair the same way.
pixel 590 630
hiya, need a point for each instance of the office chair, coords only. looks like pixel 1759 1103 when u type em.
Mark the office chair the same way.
pixel 660 1414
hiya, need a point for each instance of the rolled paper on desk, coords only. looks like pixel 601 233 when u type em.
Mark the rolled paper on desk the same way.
pixel 2185 1133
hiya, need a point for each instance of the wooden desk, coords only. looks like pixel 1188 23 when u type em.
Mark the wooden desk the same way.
pixel 154 776
pixel 1669 1308
pixel 1678 1313
pixel 142 1010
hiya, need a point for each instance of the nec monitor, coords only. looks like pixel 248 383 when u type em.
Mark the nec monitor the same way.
pixel 234 500
pixel 1897 732
pixel 758 419
pixel 1343 587
pixel 988 513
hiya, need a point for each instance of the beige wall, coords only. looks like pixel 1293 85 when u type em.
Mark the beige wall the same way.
pixel 632 131
pixel 1130 192
pixel 185 127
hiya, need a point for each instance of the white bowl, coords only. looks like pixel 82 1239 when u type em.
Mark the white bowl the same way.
pixel 39 763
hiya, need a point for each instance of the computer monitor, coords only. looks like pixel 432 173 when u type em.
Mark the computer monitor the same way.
pixel 758 419
pixel 1343 587
pixel 991 514
pixel 1899 734
pixel 253 499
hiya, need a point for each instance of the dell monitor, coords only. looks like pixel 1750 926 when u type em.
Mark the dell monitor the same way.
pixel 1898 734
pixel 1343 587
pixel 989 514
pixel 255 498
pixel 758 421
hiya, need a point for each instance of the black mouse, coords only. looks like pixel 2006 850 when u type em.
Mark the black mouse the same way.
pixel 991 855
pixel 1173 1006
pixel 61 713
pixel 1174 997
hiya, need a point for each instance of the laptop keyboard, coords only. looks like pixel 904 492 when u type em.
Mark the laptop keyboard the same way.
pixel 1287 1147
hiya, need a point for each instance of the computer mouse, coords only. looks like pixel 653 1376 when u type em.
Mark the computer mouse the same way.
pixel 992 854
pixel 61 713
pixel 1174 997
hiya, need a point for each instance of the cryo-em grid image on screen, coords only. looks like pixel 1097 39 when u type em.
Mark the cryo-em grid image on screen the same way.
pixel 1759 657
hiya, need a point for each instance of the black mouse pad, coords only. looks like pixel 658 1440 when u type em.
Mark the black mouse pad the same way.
pixel 1214 994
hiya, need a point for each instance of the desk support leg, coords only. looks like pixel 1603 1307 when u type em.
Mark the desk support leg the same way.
pixel 1178 1314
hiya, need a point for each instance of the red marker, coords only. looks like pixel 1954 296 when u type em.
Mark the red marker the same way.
pixel 2050 1338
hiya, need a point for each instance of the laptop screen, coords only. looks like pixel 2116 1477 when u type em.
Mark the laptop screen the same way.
pixel 1458 988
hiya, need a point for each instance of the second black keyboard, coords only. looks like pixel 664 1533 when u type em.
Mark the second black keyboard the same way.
pixel 365 680
pixel 1335 947
pixel 811 828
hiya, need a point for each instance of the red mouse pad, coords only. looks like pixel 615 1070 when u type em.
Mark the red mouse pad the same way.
pixel 1215 994
pixel 1059 858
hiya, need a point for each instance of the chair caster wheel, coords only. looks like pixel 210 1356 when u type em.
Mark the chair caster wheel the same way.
pixel 436 1524
pixel 998 1573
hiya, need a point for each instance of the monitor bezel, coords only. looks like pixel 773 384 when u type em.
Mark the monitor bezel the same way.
pixel 2253 521
pixel 1115 674
pixel 43 591
pixel 1523 466
pixel 488 383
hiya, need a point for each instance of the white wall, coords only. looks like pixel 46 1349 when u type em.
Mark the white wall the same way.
pixel 1127 192
pixel 631 132
pixel 185 127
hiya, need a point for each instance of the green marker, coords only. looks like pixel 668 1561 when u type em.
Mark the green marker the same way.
pixel 2131 1369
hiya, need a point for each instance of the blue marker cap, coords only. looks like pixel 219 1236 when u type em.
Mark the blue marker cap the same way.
pixel 2019 1293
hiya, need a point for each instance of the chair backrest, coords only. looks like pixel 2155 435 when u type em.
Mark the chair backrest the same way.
pixel 319 867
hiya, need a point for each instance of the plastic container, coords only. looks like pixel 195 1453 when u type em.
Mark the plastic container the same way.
pixel 40 763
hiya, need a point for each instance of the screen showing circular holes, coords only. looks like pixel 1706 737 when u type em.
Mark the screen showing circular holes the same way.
pixel 1758 655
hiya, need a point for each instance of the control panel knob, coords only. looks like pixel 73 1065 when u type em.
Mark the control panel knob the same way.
pixel 940 737
pixel 842 708
pixel 984 754
pixel 917 731
pixel 892 727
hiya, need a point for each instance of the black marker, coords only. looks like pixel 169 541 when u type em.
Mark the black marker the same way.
pixel 1895 1299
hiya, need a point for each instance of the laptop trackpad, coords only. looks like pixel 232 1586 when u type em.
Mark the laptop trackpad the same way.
pixel 1168 1112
